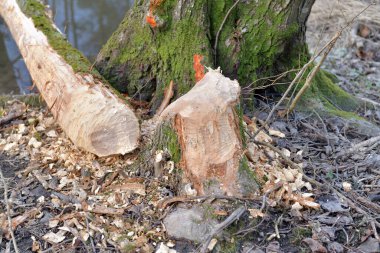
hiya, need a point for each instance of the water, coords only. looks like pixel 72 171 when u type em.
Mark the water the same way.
pixel 87 24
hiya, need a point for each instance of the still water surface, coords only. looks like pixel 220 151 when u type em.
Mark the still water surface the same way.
pixel 87 24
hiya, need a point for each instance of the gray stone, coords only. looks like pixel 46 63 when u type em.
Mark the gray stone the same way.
pixel 335 247
pixel 371 245
pixel 190 224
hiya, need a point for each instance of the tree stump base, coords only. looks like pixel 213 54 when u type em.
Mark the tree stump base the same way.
pixel 206 126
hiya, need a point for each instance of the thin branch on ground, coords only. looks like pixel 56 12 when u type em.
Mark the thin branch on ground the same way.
pixel 168 201
pixel 367 100
pixel 6 202
pixel 248 88
pixel 351 203
pixel 359 146
pixel 219 228
pixel 16 111
pixel 324 126
pixel 91 239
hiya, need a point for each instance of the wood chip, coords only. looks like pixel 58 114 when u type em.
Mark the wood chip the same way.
pixel 99 209
pixel 137 188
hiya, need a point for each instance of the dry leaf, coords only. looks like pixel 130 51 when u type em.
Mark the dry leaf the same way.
pixel 53 223
pixel 220 212
pixel 255 213
pixel 347 187
pixel 295 210
pixel 276 133
pixel 315 246
pixel 212 244
pixel 286 152
pixel 137 188
pixel 53 238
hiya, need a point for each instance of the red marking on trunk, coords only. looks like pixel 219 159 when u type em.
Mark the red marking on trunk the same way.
pixel 150 20
pixel 153 5
pixel 198 67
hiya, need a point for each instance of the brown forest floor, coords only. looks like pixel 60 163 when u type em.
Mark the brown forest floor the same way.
pixel 66 200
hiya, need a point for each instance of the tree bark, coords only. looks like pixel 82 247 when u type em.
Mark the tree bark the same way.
pixel 91 114
pixel 258 38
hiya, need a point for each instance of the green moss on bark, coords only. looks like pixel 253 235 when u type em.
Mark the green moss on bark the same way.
pixel 141 60
pixel 247 178
pixel 324 94
pixel 167 139
pixel 265 35
pixel 151 58
pixel 36 11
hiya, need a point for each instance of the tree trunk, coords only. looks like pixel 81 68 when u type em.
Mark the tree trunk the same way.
pixel 258 38
pixel 91 114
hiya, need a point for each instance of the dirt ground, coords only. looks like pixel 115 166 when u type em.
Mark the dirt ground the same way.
pixel 66 200
pixel 354 59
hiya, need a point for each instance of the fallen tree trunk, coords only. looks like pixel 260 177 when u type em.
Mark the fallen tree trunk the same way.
pixel 91 114
pixel 205 126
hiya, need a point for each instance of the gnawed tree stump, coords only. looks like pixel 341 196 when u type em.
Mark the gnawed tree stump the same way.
pixel 91 114
pixel 205 125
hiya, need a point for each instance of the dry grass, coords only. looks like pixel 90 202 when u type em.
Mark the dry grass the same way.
pixel 328 16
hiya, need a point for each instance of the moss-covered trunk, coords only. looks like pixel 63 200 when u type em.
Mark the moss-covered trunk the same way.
pixel 142 58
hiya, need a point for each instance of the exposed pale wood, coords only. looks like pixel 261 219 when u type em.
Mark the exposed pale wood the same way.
pixel 92 116
pixel 168 94
pixel 208 132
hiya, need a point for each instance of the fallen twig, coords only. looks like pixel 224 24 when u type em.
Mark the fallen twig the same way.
pixel 134 187
pixel 283 156
pixel 219 228
pixel 110 179
pixel 33 165
pixel 168 201
pixel 367 100
pixel 102 209
pixel 17 110
pixel 6 202
pixel 67 199
pixel 91 239
pixel 351 203
pixel 365 202
pixel 37 174
pixel 359 146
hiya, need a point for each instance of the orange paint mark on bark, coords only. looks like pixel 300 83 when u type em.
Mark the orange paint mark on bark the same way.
pixel 198 67
pixel 153 5
pixel 150 20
